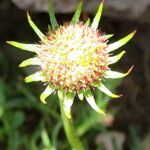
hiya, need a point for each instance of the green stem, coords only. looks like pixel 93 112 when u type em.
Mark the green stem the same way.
pixel 69 130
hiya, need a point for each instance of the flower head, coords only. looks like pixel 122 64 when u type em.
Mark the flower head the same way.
pixel 74 58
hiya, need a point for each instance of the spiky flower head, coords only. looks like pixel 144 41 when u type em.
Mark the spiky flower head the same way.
pixel 74 58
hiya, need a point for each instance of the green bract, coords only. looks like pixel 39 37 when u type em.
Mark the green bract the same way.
pixel 74 59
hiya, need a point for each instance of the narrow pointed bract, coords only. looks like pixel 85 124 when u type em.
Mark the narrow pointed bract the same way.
pixel 118 44
pixel 38 76
pixel 108 36
pixel 103 89
pixel 80 95
pixel 35 28
pixel 90 99
pixel 97 18
pixel 30 61
pixel 116 58
pixel 61 94
pixel 68 101
pixel 114 75
pixel 23 46
pixel 77 14
pixel 53 20
pixel 87 23
pixel 48 91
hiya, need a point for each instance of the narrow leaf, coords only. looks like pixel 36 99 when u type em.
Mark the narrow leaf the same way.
pixel 61 94
pixel 35 28
pixel 52 16
pixel 27 47
pixel 118 44
pixel 87 23
pixel 35 77
pixel 80 95
pixel 108 36
pixel 77 14
pixel 116 58
pixel 90 99
pixel 114 75
pixel 68 101
pixel 98 16
pixel 45 139
pixel 102 88
pixel 48 91
pixel 30 61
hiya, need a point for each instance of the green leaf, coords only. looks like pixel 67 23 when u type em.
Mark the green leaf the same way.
pixel 30 61
pixel 38 76
pixel 68 101
pixel 2 98
pixel 90 99
pixel 108 36
pixel 87 23
pixel 48 91
pixel 118 44
pixel 80 95
pixel 52 16
pixel 27 47
pixel 61 94
pixel 45 139
pixel 98 16
pixel 77 14
pixel 116 58
pixel 35 28
pixel 114 75
pixel 102 88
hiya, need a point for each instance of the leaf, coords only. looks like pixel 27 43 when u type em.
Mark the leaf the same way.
pixel 77 14
pixel 68 101
pixel 118 44
pixel 61 94
pixel 108 36
pixel 90 99
pixel 30 61
pixel 116 58
pixel 87 23
pixel 27 47
pixel 98 16
pixel 35 28
pixel 114 75
pixel 48 91
pixel 45 139
pixel 52 16
pixel 80 95
pixel 102 88
pixel 38 76
pixel 2 97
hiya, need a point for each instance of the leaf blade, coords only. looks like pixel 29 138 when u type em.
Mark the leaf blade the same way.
pixel 52 16
pixel 87 23
pixel 105 90
pixel 30 61
pixel 23 46
pixel 116 58
pixel 77 14
pixel 121 42
pixel 114 75
pixel 38 76
pixel 90 99
pixel 35 28
pixel 97 18
pixel 47 92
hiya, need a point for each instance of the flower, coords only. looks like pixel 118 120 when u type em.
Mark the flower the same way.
pixel 74 58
